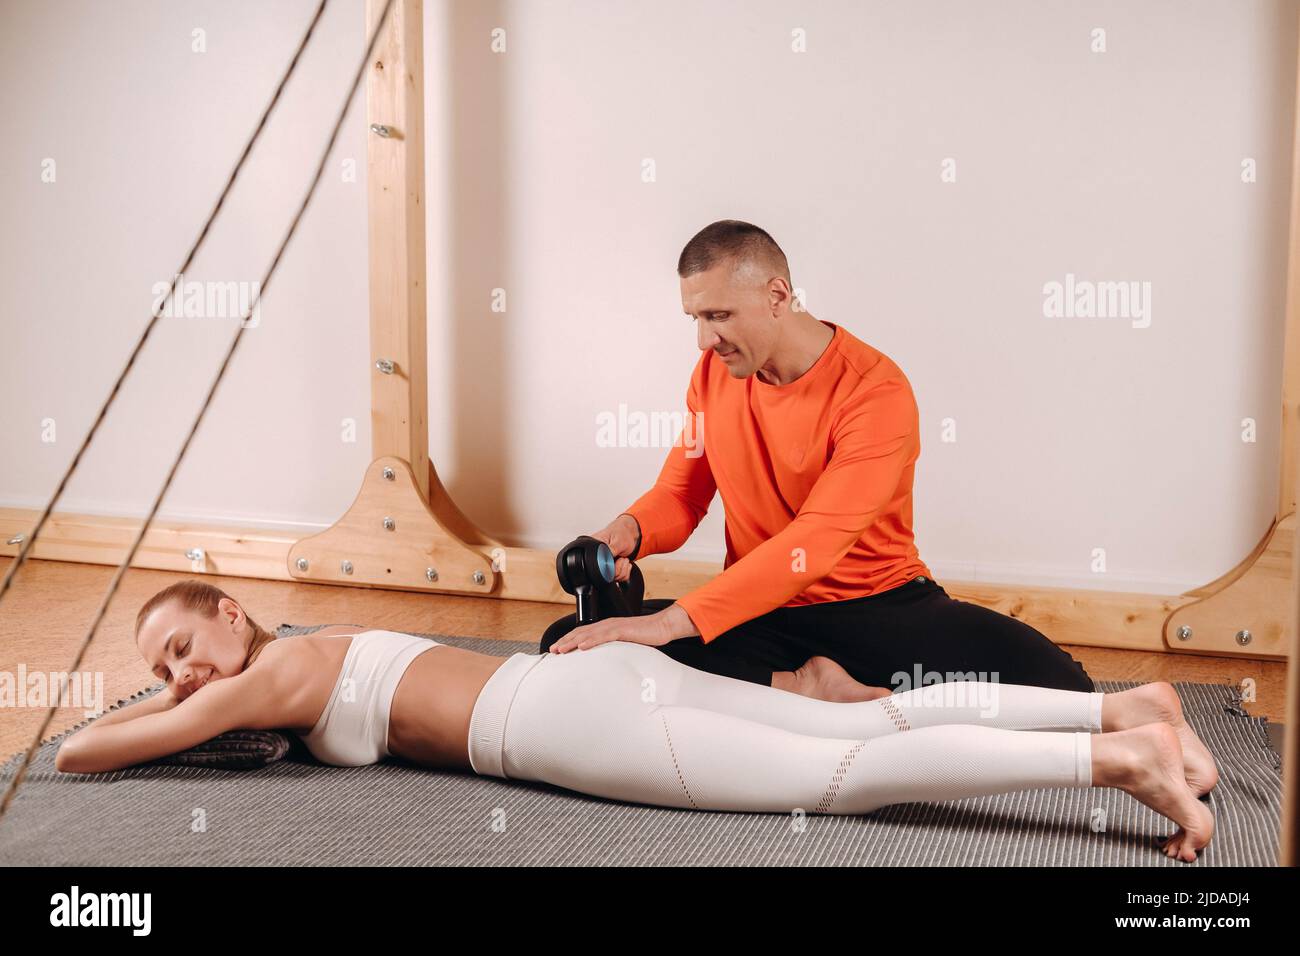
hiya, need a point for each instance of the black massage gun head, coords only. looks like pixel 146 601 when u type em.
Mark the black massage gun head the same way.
pixel 584 563
pixel 585 567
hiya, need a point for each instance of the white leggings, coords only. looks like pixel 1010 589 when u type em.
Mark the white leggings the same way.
pixel 627 722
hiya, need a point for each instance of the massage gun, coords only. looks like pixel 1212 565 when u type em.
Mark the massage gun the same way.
pixel 586 570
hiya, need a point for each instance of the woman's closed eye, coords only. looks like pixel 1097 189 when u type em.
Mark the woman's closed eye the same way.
pixel 167 675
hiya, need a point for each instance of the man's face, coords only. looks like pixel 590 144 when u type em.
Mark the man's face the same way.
pixel 733 315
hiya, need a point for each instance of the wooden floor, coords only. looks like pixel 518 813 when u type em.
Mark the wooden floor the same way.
pixel 45 615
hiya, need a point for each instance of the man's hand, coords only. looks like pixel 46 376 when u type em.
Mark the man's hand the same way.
pixel 652 629
pixel 621 535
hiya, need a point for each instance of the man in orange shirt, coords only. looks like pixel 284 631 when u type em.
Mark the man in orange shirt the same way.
pixel 811 437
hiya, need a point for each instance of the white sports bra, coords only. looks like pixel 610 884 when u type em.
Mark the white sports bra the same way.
pixel 353 727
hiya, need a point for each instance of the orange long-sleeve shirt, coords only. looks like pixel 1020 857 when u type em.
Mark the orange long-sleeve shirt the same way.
pixel 815 477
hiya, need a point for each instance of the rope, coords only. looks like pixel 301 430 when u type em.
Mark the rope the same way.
pixel 30 540
pixel 12 789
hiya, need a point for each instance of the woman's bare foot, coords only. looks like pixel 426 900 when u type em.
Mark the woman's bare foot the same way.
pixel 1158 701
pixel 822 679
pixel 1147 763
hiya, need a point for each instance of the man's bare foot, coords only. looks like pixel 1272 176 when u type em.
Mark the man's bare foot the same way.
pixel 1147 763
pixel 822 679
pixel 1158 701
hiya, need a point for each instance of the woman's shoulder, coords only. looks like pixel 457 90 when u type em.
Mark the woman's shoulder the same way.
pixel 305 650
pixel 301 669
pixel 327 644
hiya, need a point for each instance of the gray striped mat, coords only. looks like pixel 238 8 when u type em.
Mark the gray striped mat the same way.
pixel 298 811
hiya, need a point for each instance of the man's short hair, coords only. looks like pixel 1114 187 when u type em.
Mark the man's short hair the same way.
pixel 732 239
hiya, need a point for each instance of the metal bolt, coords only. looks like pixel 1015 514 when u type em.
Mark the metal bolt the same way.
pixel 385 366
pixel 1243 637
pixel 1184 633
pixel 379 129
pixel 389 524
pixel 388 474
pixel 430 574
pixel 302 564
pixel 347 567
pixel 194 554
pixel 478 577
pixel 17 539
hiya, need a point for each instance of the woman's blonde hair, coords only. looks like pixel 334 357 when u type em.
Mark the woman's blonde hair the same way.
pixel 201 597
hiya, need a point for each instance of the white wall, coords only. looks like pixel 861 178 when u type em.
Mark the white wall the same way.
pixel 1072 434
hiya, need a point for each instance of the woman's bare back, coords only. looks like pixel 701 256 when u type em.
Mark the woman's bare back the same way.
pixel 428 721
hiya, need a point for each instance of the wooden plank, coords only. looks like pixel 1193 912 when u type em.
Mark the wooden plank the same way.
pixel 1095 618
pixel 1077 616
pixel 395 190
pixel 96 539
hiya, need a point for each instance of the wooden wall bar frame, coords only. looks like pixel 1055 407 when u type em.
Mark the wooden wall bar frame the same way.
pixel 399 378
pixel 1251 597
pixel 1258 595
pixel 377 542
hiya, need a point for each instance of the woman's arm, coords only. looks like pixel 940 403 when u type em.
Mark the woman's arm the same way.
pixel 249 700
